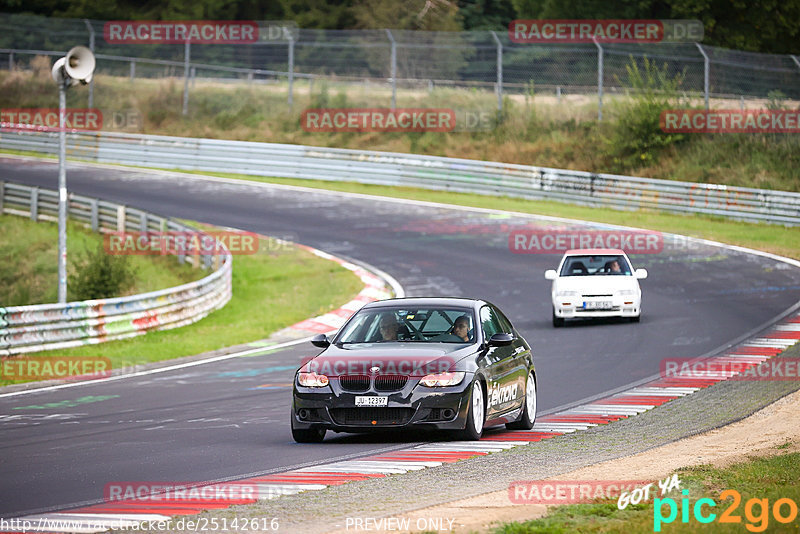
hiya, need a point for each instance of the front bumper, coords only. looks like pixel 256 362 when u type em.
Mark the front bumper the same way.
pixel 580 307
pixel 443 408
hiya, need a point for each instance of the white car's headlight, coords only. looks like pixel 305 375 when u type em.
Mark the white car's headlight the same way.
pixel 442 379
pixel 566 293
pixel 626 292
pixel 312 380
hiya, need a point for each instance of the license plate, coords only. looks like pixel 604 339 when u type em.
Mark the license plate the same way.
pixel 598 305
pixel 372 401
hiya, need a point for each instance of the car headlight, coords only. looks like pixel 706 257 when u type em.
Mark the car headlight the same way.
pixel 442 379
pixel 626 292
pixel 565 293
pixel 312 380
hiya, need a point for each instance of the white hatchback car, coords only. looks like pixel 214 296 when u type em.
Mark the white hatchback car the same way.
pixel 595 283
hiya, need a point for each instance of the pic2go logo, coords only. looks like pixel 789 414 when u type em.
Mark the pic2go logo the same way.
pixel 756 511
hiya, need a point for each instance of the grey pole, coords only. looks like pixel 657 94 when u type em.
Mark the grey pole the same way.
pixel 499 72
pixel 186 56
pixel 133 70
pixel 394 68
pixel 10 61
pixel 599 80
pixel 62 193
pixel 91 47
pixel 291 70
pixel 706 71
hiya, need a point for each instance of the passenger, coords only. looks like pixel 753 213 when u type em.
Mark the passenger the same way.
pixel 389 328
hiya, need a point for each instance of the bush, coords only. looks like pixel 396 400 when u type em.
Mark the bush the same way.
pixel 636 136
pixel 97 275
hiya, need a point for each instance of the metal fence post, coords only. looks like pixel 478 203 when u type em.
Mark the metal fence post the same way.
pixel 706 72
pixel 95 215
pixel 133 70
pixel 10 61
pixel 599 80
pixel 121 218
pixel 291 71
pixel 394 68
pixel 91 47
pixel 34 204
pixel 499 72
pixel 186 55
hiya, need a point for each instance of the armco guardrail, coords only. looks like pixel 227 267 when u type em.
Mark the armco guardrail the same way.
pixel 53 326
pixel 431 172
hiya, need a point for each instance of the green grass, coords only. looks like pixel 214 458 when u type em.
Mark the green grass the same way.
pixel 761 478
pixel 770 238
pixel 536 129
pixel 272 289
pixel 29 270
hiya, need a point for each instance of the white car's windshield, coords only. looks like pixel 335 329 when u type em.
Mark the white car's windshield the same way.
pixel 429 325
pixel 606 264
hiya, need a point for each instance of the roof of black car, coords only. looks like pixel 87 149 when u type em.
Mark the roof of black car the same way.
pixel 422 302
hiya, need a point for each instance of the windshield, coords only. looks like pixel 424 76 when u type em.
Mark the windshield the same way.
pixel 596 265
pixel 424 325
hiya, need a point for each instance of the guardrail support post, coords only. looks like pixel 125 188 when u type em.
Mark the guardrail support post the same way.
pixel 120 218
pixel 133 70
pixel 143 221
pixel 187 51
pixel 10 61
pixel 91 47
pixel 35 204
pixel 95 215
pixel 291 71
pixel 706 72
pixel 193 70
pixel 393 68
pixel 2 194
pixel 499 73
pixel 599 81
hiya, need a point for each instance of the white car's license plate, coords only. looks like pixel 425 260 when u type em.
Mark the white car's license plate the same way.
pixel 598 305
pixel 372 401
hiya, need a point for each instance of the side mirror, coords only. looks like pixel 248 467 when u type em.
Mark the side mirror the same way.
pixel 321 341
pixel 550 274
pixel 640 274
pixel 501 340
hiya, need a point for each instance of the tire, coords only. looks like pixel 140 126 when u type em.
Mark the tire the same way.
pixel 528 417
pixel 308 435
pixel 557 321
pixel 476 414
